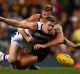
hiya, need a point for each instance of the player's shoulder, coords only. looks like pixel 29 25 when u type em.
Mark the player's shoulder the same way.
pixel 36 15
pixel 57 26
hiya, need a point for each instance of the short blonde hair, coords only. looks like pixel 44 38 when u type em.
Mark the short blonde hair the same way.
pixel 47 7
pixel 51 18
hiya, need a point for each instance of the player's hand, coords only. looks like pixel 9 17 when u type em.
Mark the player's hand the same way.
pixel 38 46
pixel 1 18
pixel 77 46
pixel 30 39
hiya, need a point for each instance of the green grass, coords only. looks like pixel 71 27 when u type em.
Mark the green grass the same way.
pixel 49 70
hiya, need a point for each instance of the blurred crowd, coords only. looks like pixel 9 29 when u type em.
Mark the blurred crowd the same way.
pixel 66 11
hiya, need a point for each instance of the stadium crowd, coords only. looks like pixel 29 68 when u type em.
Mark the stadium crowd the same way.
pixel 67 13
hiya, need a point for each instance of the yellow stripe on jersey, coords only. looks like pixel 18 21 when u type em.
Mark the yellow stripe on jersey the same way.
pixel 40 20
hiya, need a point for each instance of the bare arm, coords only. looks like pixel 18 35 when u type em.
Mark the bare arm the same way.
pixel 25 35
pixel 11 22
pixel 33 18
pixel 15 23
pixel 69 43
pixel 59 39
pixel 56 41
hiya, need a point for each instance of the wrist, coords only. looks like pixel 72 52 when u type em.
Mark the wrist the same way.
pixel 77 47
pixel 45 46
pixel 1 18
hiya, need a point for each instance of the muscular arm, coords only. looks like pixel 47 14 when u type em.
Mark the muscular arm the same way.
pixel 69 43
pixel 25 35
pixel 33 18
pixel 15 23
pixel 11 22
pixel 59 39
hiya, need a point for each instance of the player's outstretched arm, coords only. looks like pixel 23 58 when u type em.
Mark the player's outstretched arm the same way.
pixel 71 44
pixel 10 22
pixel 15 23
pixel 59 39
pixel 33 18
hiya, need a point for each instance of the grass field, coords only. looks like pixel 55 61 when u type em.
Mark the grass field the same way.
pixel 49 70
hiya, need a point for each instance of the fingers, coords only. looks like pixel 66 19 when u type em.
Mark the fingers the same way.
pixel 36 47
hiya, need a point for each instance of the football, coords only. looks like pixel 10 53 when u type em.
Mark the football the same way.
pixel 65 59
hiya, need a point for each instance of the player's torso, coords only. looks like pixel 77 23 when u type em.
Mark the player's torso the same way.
pixel 39 35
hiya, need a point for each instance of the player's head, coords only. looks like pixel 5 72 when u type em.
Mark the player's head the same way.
pixel 47 11
pixel 49 24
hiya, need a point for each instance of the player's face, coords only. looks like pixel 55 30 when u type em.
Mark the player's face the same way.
pixel 46 13
pixel 48 27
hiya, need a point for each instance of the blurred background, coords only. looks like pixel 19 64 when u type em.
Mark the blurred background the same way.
pixel 66 11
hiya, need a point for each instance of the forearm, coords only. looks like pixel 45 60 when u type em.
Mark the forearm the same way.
pixel 69 43
pixel 10 22
pixel 54 42
pixel 23 33
pixel 15 23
